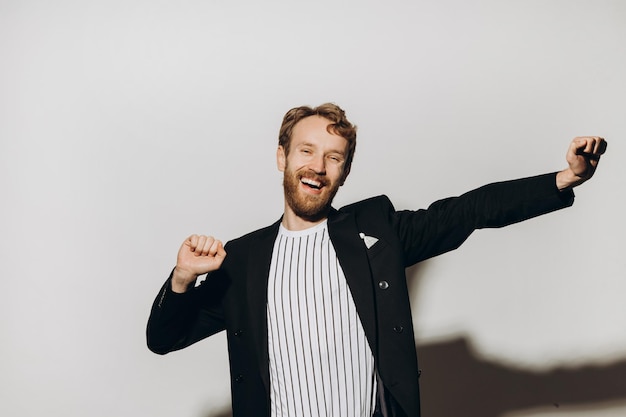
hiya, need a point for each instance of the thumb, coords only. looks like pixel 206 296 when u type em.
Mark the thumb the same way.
pixel 221 252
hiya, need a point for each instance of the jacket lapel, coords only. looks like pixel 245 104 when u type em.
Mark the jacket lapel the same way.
pixel 352 255
pixel 259 259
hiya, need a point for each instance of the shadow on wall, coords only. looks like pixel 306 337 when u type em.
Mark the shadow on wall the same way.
pixel 455 383
pixel 226 412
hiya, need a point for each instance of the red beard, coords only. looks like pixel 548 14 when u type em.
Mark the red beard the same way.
pixel 311 207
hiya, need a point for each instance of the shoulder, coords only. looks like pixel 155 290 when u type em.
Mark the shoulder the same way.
pixel 266 232
pixel 377 209
pixel 372 204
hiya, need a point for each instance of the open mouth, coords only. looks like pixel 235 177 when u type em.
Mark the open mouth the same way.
pixel 313 184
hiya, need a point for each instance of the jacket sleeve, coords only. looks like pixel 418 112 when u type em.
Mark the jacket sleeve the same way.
pixel 179 320
pixel 447 223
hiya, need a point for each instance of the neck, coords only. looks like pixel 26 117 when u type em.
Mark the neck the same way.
pixel 294 222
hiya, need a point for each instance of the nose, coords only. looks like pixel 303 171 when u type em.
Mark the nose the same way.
pixel 318 164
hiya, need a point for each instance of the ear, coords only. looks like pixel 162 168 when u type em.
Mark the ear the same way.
pixel 281 158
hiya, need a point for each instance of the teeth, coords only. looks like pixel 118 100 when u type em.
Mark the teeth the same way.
pixel 311 182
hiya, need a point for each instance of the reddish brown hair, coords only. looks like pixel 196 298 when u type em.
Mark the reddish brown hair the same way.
pixel 339 126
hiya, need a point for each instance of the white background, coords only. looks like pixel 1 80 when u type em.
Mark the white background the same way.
pixel 127 125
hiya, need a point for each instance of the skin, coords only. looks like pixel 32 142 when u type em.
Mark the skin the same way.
pixel 583 156
pixel 317 155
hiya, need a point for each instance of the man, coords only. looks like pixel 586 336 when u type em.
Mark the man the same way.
pixel 316 306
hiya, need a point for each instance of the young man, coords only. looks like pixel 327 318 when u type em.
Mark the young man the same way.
pixel 316 306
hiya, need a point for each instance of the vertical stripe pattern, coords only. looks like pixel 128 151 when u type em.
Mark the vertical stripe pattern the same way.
pixel 320 361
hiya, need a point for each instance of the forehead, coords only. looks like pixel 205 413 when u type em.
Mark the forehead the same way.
pixel 314 130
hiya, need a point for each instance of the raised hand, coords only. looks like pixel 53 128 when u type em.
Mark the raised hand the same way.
pixel 197 255
pixel 582 157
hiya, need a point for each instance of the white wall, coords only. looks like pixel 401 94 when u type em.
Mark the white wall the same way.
pixel 127 125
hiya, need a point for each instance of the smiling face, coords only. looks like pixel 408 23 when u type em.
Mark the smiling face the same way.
pixel 313 171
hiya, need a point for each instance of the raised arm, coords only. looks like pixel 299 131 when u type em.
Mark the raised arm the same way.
pixel 181 314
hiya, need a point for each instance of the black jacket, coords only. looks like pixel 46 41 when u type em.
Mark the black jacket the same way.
pixel 234 297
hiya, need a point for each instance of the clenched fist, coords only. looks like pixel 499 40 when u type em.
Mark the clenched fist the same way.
pixel 582 157
pixel 197 255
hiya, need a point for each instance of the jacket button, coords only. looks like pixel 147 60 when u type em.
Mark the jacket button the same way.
pixel 239 379
pixel 419 373
pixel 238 332
pixel 398 329
pixel 383 285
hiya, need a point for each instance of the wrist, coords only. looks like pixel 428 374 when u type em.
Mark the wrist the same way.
pixel 567 179
pixel 181 280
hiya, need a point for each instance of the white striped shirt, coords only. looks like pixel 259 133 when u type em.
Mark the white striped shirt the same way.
pixel 320 361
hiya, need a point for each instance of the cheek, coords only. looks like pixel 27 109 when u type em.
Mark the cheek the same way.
pixel 295 164
pixel 337 173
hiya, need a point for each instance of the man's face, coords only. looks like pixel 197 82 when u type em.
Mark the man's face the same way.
pixel 313 169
